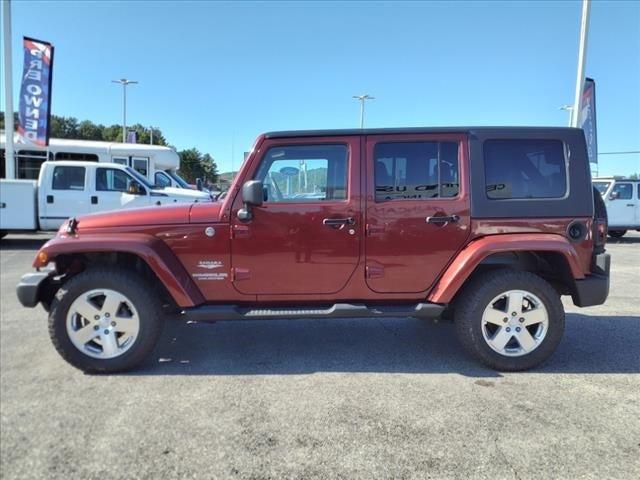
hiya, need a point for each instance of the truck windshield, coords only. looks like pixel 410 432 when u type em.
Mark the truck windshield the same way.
pixel 601 186
pixel 178 179
pixel 139 178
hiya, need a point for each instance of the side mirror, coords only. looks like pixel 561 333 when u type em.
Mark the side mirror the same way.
pixel 252 196
pixel 614 195
pixel 134 188
pixel 199 184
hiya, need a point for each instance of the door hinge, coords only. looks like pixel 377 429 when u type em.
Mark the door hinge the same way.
pixel 374 271
pixel 240 231
pixel 240 274
pixel 374 229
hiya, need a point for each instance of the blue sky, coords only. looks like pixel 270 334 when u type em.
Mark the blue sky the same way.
pixel 213 75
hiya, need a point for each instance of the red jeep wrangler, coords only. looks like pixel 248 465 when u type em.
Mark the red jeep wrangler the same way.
pixel 488 226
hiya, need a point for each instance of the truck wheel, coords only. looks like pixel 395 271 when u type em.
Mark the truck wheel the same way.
pixel 509 320
pixel 105 319
pixel 617 233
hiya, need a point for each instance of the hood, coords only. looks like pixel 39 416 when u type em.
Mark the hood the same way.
pixel 175 214
pixel 185 193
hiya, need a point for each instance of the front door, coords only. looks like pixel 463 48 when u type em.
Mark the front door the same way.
pixel 417 213
pixel 305 238
pixel 113 191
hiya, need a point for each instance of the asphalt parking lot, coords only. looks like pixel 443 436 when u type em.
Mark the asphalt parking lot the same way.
pixel 366 398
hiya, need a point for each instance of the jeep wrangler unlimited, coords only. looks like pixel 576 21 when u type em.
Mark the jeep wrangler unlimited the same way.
pixel 487 226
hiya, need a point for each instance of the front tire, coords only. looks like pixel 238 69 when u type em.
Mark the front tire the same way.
pixel 509 320
pixel 105 319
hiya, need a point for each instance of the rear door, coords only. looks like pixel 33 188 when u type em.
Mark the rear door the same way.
pixel 112 189
pixel 65 194
pixel 417 210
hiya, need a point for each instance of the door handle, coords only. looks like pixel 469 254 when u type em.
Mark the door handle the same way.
pixel 442 219
pixel 94 199
pixel 338 222
pixel 630 205
pixel 49 198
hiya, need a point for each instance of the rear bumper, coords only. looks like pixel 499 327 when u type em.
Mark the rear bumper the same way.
pixel 31 287
pixel 594 289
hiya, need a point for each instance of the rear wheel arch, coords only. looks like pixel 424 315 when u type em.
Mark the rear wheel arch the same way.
pixel 551 257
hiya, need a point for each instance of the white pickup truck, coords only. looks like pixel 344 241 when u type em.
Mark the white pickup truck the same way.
pixel 65 189
pixel 622 198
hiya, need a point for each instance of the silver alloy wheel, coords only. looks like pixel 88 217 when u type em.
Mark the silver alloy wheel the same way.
pixel 102 323
pixel 515 323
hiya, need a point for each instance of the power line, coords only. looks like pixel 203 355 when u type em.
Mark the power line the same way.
pixel 619 153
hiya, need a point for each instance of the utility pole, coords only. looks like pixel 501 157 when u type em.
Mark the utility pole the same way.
pixel 362 99
pixel 582 56
pixel 124 82
pixel 8 91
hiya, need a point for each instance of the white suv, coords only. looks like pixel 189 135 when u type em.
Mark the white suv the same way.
pixel 622 198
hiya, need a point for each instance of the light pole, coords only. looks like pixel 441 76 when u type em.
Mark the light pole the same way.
pixel 582 56
pixel 124 82
pixel 362 99
pixel 8 90
pixel 568 108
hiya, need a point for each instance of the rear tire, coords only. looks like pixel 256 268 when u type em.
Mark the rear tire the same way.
pixel 105 319
pixel 509 320
pixel 617 233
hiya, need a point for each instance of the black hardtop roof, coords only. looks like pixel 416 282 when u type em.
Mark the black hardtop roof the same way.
pixel 414 130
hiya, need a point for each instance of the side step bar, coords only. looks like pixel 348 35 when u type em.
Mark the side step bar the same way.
pixel 212 313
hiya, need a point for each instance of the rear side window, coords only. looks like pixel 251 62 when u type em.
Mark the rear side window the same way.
pixel 525 169
pixel 416 170
pixel 68 178
pixel 624 191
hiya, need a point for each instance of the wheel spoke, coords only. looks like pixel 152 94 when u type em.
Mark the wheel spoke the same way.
pixel 514 302
pixel 85 334
pixel 126 325
pixel 86 309
pixel 111 303
pixel 526 341
pixel 494 316
pixel 532 317
pixel 500 339
pixel 109 343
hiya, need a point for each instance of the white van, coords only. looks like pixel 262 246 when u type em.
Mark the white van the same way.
pixel 622 199
pixel 69 188
pixel 158 164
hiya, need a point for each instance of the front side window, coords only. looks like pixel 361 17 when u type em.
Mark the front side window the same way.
pixel 162 180
pixel 68 178
pixel 112 180
pixel 622 191
pixel 525 169
pixel 304 173
pixel 416 170
pixel 120 160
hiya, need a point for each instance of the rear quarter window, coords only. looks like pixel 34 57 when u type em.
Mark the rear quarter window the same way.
pixel 527 168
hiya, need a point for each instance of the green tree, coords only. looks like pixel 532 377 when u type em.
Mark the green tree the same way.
pixel 88 130
pixel 194 164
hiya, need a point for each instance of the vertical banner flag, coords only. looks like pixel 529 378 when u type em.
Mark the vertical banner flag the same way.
pixel 35 93
pixel 588 118
pixel 132 136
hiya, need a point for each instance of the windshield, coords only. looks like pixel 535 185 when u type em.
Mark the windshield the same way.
pixel 178 179
pixel 139 177
pixel 601 186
